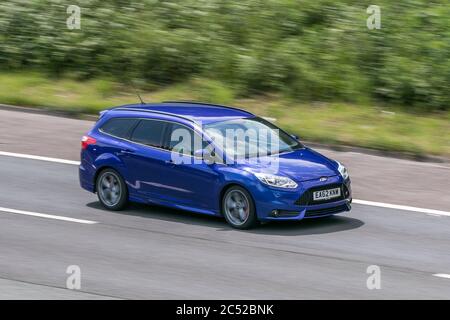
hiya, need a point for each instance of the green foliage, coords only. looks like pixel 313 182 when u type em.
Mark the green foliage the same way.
pixel 312 50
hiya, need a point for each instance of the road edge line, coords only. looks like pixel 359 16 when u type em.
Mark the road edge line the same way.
pixel 442 275
pixel 401 207
pixel 40 158
pixel 356 201
pixel 47 216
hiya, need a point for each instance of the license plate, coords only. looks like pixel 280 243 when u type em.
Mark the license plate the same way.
pixel 326 194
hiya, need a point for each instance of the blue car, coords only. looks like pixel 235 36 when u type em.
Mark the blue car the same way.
pixel 210 159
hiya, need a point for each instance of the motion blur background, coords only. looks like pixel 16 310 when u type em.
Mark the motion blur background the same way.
pixel 312 64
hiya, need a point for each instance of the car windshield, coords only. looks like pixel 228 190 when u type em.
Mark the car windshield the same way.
pixel 250 137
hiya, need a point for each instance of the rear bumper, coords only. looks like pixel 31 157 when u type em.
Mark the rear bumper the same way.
pixel 276 205
pixel 86 178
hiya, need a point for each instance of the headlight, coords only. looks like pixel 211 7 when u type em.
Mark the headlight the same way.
pixel 342 170
pixel 276 181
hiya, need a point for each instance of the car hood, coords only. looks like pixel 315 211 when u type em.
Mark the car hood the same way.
pixel 299 165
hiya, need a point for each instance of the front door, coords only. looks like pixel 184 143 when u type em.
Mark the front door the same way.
pixel 191 184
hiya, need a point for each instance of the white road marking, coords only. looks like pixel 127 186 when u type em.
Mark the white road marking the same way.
pixel 47 216
pixel 357 201
pixel 433 215
pixel 270 119
pixel 400 207
pixel 442 275
pixel 28 156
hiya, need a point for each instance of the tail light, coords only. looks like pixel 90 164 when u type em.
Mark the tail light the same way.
pixel 87 141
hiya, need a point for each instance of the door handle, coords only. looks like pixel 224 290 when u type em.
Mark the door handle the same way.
pixel 126 151
pixel 170 162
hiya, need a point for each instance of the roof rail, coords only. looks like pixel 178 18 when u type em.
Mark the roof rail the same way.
pixel 154 111
pixel 206 104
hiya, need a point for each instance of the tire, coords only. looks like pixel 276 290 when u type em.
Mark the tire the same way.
pixel 238 208
pixel 113 197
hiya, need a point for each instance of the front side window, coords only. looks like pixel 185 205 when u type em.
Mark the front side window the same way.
pixel 119 127
pixel 184 140
pixel 149 132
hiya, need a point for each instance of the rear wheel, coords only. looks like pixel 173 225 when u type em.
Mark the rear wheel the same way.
pixel 238 208
pixel 111 190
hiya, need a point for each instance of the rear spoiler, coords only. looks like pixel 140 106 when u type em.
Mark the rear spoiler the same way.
pixel 102 113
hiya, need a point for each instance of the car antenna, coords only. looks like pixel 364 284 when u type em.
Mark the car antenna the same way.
pixel 137 93
pixel 139 96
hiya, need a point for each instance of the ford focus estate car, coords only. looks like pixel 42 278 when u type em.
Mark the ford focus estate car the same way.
pixel 183 155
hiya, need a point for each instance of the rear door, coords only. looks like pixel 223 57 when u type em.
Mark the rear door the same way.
pixel 113 140
pixel 146 156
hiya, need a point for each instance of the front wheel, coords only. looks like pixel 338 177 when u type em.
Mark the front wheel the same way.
pixel 238 208
pixel 111 190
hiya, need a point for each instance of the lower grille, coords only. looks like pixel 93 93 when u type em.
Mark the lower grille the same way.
pixel 284 213
pixel 326 211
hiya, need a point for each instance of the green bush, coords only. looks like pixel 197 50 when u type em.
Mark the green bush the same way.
pixel 314 50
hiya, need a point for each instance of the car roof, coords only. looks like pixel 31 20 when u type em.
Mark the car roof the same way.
pixel 193 111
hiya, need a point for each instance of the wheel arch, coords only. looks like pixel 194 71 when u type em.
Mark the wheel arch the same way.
pixel 100 170
pixel 105 161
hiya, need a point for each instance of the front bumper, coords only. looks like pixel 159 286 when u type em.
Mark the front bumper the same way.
pixel 276 204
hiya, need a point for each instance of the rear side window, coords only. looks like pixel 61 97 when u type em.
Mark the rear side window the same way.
pixel 149 132
pixel 119 127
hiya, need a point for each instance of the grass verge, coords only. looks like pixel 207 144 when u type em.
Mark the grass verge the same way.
pixel 390 129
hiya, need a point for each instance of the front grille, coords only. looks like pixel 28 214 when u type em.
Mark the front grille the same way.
pixel 307 196
pixel 326 211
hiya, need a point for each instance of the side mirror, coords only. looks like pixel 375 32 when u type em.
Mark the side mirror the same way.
pixel 204 154
pixel 295 136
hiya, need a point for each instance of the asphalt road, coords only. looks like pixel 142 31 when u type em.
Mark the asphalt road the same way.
pixel 151 252
pixel 157 253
